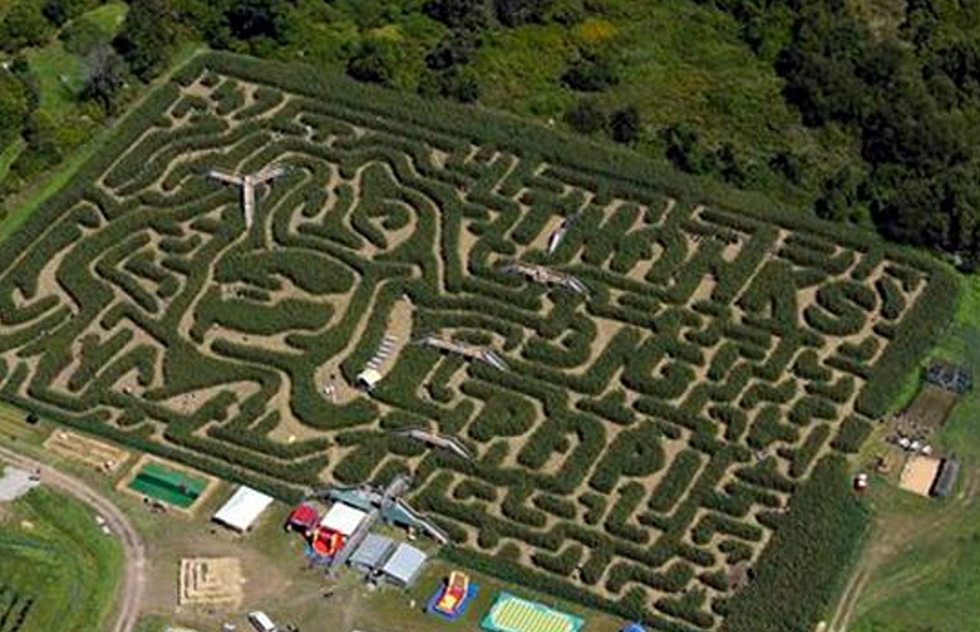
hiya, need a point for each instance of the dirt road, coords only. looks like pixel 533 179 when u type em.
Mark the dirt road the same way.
pixel 133 580
pixel 888 541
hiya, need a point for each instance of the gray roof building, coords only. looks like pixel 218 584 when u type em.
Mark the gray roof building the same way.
pixel 404 565
pixel 372 554
pixel 946 479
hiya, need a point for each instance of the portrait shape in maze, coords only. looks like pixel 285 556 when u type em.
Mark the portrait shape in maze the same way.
pixel 636 383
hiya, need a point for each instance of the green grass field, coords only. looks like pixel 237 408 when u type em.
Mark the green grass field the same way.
pixel 928 580
pixel 60 77
pixel 109 17
pixel 51 551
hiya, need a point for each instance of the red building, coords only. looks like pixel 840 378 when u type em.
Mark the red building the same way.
pixel 302 519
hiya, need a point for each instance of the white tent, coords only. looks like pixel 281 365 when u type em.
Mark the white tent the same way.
pixel 243 509
pixel 343 519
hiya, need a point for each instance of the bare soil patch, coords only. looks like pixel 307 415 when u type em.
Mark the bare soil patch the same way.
pixel 100 455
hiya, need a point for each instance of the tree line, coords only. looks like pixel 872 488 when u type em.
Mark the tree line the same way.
pixel 909 98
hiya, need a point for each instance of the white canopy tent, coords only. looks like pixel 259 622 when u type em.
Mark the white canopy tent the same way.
pixel 368 379
pixel 243 509
pixel 343 519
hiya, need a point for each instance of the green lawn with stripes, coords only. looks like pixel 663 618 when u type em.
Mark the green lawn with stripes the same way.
pixel 58 571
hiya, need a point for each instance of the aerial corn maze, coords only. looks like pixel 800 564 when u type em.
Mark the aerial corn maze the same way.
pixel 278 277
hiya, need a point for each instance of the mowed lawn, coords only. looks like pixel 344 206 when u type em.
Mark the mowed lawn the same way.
pixel 931 581
pixel 60 76
pixel 53 552
pixel 109 17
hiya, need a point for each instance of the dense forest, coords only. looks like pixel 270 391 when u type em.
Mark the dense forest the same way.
pixel 865 111
pixel 910 97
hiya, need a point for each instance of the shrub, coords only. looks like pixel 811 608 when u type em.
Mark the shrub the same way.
pixel 625 126
pixel 586 117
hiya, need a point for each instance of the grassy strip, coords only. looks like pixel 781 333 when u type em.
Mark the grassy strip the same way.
pixel 802 570
pixel 58 179
pixel 9 155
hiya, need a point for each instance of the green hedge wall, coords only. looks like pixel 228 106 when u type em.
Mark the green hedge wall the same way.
pixel 803 568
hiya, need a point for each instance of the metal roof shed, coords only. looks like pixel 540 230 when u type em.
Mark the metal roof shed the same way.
pixel 372 553
pixel 243 509
pixel 945 480
pixel 404 565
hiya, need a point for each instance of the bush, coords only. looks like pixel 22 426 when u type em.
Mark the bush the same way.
pixel 590 73
pixel 455 83
pixel 586 117
pixel 374 62
pixel 625 126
